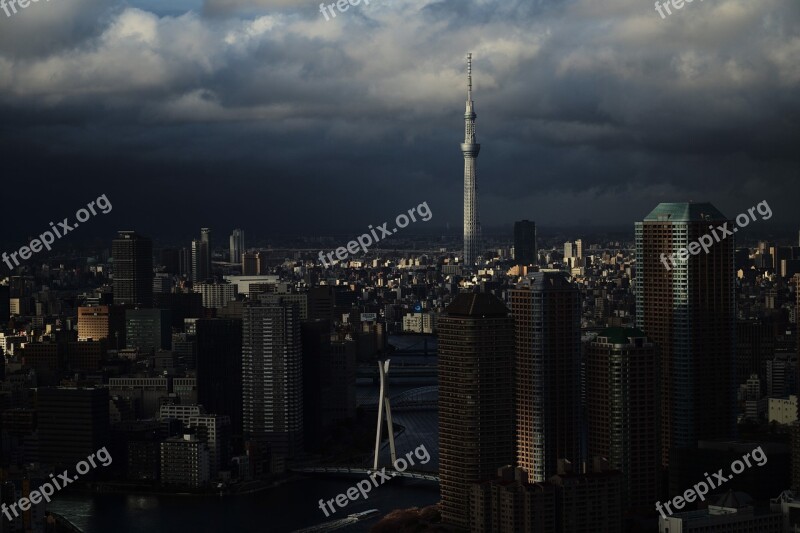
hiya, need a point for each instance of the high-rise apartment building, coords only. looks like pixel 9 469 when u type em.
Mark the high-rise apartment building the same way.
pixel 133 269
pixel 476 398
pixel 236 246
pixel 525 252
pixel 622 410
pixel 272 376
pixel 470 149
pixel 546 309
pixel 686 307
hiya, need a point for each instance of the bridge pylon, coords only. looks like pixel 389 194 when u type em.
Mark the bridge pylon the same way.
pixel 383 400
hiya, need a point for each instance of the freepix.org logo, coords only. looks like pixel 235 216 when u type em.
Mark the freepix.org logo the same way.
pixel 57 231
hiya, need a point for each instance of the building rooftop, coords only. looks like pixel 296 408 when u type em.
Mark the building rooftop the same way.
pixel 477 304
pixel 618 335
pixel 684 212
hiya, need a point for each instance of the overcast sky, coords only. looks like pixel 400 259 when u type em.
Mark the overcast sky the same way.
pixel 262 114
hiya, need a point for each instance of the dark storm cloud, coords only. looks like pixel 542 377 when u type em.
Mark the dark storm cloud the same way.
pixel 284 122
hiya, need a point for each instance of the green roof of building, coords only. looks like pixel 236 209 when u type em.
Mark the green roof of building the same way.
pixel 618 335
pixel 684 212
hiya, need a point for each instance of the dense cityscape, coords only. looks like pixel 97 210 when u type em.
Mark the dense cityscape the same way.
pixel 399 267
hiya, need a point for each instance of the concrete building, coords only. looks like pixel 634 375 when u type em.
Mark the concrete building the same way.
pixel 216 431
pixel 782 410
pixel 102 322
pixel 418 323
pixel 145 392
pixel 215 294
pixel 732 512
pixel 185 461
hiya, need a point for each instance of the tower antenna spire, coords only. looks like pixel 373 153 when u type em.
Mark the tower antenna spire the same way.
pixel 469 76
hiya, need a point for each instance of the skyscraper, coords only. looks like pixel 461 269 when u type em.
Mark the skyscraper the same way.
pixel 237 246
pixel 201 256
pixel 547 311
pixel 272 376
pixel 686 306
pixel 133 269
pixel 476 402
pixel 621 405
pixel 470 149
pixel 525 242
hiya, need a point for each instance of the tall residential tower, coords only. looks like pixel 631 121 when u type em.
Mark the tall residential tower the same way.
pixel 685 305
pixel 476 398
pixel 470 149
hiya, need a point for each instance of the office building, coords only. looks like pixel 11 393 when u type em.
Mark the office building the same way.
pixel 525 251
pixel 546 309
pixel 470 149
pixel 686 307
pixel 272 376
pixel 72 424
pixel 236 246
pixel 133 269
pixel 102 322
pixel 145 393
pixel 148 329
pixel 219 368
pixel 476 398
pixel 621 404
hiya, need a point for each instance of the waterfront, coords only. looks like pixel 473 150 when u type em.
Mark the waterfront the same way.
pixel 286 508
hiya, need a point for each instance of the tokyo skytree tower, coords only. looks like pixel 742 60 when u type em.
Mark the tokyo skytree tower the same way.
pixel 470 149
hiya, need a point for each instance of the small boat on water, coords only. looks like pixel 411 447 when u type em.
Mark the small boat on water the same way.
pixel 364 514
